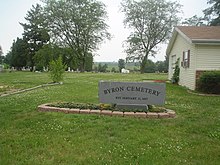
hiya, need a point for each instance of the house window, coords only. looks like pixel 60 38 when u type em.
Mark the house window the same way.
pixel 173 61
pixel 186 59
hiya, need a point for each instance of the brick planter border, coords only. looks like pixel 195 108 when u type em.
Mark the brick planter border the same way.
pixel 151 115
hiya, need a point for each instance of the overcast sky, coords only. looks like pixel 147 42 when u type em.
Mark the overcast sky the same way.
pixel 13 11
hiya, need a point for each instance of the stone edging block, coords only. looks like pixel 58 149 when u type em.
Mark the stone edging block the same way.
pixel 106 112
pixel 117 113
pixel 140 114
pixel 97 112
pixel 84 111
pixel 152 115
pixel 129 114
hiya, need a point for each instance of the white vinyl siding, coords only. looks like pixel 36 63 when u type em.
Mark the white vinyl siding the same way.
pixel 187 75
pixel 208 57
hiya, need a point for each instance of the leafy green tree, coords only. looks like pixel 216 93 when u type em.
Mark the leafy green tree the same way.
pixel 51 52
pixel 57 69
pixel 102 68
pixel 213 13
pixel 121 64
pixel 113 70
pixel 151 22
pixel 43 57
pixel 35 32
pixel 77 24
pixel 150 67
pixel 89 63
pixel 162 66
pixel 18 54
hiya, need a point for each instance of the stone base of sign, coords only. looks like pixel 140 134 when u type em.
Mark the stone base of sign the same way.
pixel 151 115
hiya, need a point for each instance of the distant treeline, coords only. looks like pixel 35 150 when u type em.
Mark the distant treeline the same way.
pixel 151 67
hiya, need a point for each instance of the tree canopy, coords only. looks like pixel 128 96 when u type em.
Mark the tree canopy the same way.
pixel 151 22
pixel 79 25
pixel 35 32
pixel 18 54
pixel 213 13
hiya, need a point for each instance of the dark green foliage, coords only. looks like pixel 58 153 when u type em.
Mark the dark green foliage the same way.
pixel 35 32
pixel 102 68
pixel 1 51
pixel 17 57
pixel 113 70
pixel 88 62
pixel 121 64
pixel 175 78
pixel 150 67
pixel 209 82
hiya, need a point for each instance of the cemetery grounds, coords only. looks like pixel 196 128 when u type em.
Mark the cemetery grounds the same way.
pixel 31 137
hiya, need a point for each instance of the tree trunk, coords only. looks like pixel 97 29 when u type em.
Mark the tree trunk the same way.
pixel 143 64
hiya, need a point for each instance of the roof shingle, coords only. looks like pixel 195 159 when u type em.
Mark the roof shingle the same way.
pixel 201 32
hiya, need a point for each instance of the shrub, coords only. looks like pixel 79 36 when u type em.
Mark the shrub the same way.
pixel 57 69
pixel 209 82
pixel 176 73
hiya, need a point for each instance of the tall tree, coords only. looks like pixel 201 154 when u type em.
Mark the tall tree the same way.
pixel 18 54
pixel 77 24
pixel 35 32
pixel 213 13
pixel 152 22
pixel 121 64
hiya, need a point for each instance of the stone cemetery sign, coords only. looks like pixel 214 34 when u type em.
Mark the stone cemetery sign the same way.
pixel 132 93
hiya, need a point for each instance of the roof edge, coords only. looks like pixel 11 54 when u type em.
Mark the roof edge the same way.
pixel 174 35
pixel 208 41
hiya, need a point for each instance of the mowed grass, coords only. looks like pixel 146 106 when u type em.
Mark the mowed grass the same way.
pixel 31 137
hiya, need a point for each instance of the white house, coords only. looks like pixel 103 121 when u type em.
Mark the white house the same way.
pixel 198 50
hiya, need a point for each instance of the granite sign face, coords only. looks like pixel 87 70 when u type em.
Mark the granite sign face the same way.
pixel 144 93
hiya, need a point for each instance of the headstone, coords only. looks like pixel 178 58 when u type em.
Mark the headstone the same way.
pixel 1 68
pixel 132 94
pixel 69 69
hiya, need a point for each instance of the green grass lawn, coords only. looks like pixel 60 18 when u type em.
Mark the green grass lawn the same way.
pixel 31 137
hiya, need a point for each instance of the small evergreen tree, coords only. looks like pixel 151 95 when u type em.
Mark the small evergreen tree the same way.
pixel 121 64
pixel 175 78
pixel 57 69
